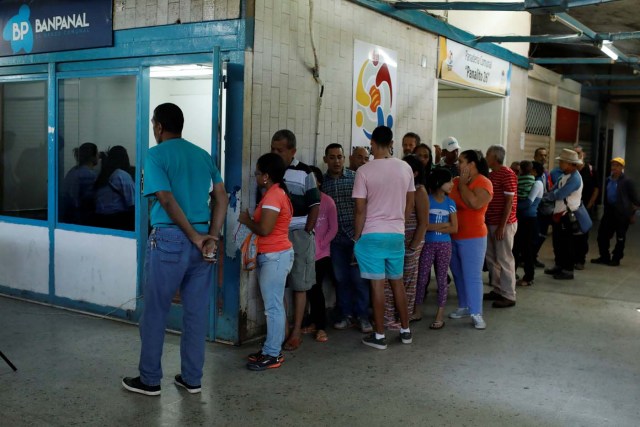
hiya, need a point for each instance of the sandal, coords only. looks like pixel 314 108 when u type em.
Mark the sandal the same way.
pixel 321 336
pixel 524 283
pixel 438 324
pixel 415 318
pixel 309 329
pixel 292 344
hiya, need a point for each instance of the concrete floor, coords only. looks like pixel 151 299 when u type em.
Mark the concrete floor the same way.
pixel 566 355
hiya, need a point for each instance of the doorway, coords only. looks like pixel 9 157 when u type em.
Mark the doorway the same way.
pixel 189 86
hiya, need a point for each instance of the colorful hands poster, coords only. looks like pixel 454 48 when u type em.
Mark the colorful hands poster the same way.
pixel 375 86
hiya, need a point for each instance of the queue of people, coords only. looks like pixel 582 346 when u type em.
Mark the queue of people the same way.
pixel 467 213
pixel 374 229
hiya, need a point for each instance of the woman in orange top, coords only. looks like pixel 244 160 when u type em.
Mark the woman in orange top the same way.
pixel 275 255
pixel 472 192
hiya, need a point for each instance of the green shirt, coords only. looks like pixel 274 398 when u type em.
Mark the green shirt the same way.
pixel 188 172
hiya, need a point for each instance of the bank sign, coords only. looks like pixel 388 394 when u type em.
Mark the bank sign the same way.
pixel 39 26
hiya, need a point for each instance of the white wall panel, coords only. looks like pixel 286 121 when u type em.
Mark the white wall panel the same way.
pixel 476 123
pixel 24 257
pixel 617 119
pixel 94 268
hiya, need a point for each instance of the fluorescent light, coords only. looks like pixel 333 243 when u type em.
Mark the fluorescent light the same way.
pixel 608 51
pixel 566 23
pixel 188 70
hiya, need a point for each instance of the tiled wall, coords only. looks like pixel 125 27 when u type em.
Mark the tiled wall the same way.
pixel 147 13
pixel 285 95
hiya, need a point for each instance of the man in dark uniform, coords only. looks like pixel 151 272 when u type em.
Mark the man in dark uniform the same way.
pixel 620 204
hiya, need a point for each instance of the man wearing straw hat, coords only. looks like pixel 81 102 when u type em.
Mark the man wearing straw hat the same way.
pixel 567 193
pixel 620 203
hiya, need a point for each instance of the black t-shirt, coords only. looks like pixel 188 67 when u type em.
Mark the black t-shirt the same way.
pixel 589 182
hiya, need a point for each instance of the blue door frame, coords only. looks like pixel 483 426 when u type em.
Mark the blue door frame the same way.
pixel 134 51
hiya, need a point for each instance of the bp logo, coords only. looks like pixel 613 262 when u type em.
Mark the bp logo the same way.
pixel 19 31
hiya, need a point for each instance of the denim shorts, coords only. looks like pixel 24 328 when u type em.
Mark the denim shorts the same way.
pixel 380 255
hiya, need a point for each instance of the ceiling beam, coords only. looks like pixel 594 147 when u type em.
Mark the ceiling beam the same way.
pixel 601 76
pixel 624 97
pixel 560 38
pixel 619 36
pixel 578 26
pixel 585 87
pixel 473 5
pixel 542 38
pixel 541 7
pixel 606 60
pixel 531 6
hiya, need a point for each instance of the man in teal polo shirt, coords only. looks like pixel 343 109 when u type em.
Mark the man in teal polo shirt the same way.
pixel 180 179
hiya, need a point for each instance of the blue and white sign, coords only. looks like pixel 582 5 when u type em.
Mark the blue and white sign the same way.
pixel 38 26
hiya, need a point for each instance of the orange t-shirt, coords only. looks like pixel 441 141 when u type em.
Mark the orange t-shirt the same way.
pixel 278 240
pixel 470 221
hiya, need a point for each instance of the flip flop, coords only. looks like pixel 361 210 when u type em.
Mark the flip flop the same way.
pixel 321 336
pixel 292 344
pixel 438 324
pixel 415 319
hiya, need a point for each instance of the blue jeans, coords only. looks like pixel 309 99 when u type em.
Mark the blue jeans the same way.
pixel 352 291
pixel 467 258
pixel 173 262
pixel 273 268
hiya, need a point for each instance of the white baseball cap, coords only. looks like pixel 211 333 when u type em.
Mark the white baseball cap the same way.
pixel 450 144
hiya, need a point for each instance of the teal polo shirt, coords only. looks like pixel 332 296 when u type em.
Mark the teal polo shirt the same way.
pixel 187 171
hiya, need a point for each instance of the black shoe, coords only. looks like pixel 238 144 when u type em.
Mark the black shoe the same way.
pixel 563 275
pixel 578 266
pixel 254 357
pixel 406 337
pixel 601 260
pixel 614 262
pixel 538 264
pixel 504 303
pixel 492 296
pixel 372 341
pixel 193 389
pixel 265 362
pixel 553 270
pixel 137 386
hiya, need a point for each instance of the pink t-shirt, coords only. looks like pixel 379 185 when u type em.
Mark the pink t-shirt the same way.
pixel 326 226
pixel 385 184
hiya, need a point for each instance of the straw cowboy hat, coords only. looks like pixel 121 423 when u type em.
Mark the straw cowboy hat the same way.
pixel 569 156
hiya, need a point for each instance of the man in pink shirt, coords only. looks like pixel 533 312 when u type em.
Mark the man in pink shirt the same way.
pixel 384 193
pixel 502 224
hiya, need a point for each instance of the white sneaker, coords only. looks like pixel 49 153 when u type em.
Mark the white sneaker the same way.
pixel 365 326
pixel 478 321
pixel 459 313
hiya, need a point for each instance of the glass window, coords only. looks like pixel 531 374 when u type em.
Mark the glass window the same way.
pixel 97 151
pixel 23 149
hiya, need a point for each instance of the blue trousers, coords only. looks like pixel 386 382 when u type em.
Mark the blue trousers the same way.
pixel 273 268
pixel 352 291
pixel 467 258
pixel 173 262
